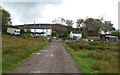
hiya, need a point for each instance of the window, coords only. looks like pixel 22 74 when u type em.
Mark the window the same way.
pixel 17 31
pixel 46 30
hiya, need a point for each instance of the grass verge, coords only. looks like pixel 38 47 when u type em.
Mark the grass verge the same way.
pixel 94 57
pixel 16 50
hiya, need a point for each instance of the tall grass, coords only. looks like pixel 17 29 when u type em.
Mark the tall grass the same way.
pixel 95 57
pixel 0 53
pixel 16 49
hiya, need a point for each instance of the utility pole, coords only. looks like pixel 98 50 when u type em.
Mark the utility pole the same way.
pixel 34 28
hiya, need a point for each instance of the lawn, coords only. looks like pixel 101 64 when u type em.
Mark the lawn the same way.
pixel 16 50
pixel 94 57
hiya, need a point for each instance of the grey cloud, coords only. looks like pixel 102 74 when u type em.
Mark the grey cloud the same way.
pixel 28 11
pixel 32 0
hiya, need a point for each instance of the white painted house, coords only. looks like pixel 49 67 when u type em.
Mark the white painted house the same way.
pixel 39 29
pixel 75 34
pixel 42 32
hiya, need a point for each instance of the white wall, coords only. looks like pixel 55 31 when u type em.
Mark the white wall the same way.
pixel 77 35
pixel 47 31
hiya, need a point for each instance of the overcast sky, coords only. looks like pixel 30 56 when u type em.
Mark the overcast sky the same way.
pixel 45 11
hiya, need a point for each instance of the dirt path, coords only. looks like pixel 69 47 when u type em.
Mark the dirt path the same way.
pixel 53 59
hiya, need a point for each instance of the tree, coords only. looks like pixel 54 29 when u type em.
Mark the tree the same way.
pixel 6 19
pixel 59 20
pixel 60 34
pixel 62 20
pixel 69 25
pixel 54 33
pixel 92 25
pixel 25 31
pixel 69 22
pixel 79 22
pixel 107 26
pixel 101 18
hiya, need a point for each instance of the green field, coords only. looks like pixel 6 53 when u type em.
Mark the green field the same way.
pixel 95 57
pixel 16 50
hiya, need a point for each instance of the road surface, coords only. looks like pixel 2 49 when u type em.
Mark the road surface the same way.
pixel 53 59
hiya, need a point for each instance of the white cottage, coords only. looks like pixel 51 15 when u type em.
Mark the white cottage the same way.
pixel 75 34
pixel 40 29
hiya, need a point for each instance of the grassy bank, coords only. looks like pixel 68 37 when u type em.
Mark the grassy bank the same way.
pixel 15 50
pixel 95 57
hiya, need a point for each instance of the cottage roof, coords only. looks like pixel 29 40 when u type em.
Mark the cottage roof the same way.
pixel 36 26
pixel 58 27
pixel 76 32
pixel 14 27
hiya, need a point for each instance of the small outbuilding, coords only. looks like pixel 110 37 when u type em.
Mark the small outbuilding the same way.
pixel 111 38
pixel 75 34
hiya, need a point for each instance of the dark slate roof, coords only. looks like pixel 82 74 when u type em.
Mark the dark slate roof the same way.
pixel 36 26
pixel 58 27
pixel 13 27
pixel 76 32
